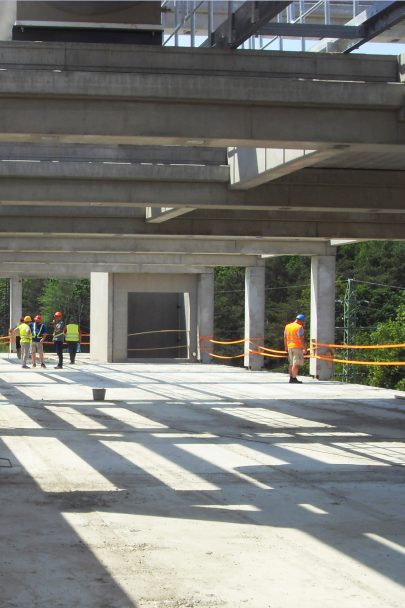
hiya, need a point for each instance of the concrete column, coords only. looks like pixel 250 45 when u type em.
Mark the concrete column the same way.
pixel 15 304
pixel 254 314
pixel 323 278
pixel 191 325
pixel 101 316
pixel 205 315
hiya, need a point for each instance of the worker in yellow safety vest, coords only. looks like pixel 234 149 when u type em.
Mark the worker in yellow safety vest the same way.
pixel 25 340
pixel 295 345
pixel 72 338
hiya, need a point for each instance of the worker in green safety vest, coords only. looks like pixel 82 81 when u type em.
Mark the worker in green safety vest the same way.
pixel 26 339
pixel 72 338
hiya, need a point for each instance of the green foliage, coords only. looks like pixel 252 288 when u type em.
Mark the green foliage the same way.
pixel 372 262
pixel 229 310
pixel 4 307
pixel 391 331
pixel 72 298
pixel 31 292
pixel 288 291
pixel 287 294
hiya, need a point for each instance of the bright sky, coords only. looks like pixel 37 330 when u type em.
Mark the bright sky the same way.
pixel 372 48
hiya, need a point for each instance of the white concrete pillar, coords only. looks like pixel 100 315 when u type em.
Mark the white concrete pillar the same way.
pixel 15 304
pixel 323 279
pixel 191 318
pixel 205 315
pixel 101 316
pixel 254 314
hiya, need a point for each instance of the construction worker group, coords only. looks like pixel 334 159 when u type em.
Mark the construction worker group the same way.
pixel 30 336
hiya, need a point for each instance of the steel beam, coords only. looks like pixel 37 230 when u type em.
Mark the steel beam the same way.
pixel 310 30
pixel 243 23
pixel 373 21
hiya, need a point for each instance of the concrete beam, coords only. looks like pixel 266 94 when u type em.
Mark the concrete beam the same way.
pixel 215 110
pixel 316 190
pixel 114 171
pixel 173 87
pixel 124 259
pixel 68 57
pixel 263 225
pixel 72 245
pixel 79 271
pixel 251 167
pixel 162 214
pixel 183 155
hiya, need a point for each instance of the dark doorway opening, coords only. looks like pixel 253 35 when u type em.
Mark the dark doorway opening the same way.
pixel 156 326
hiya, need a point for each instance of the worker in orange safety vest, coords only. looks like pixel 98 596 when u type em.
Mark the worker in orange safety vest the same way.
pixel 295 345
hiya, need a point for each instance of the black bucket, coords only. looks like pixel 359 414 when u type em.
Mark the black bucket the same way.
pixel 98 394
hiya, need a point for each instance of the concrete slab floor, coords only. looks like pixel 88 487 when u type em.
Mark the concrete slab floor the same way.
pixel 198 486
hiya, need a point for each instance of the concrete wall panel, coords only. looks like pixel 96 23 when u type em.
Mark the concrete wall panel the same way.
pixel 130 283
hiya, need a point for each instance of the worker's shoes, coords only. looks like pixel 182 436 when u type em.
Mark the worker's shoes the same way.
pixel 25 366
pixel 58 366
pixel 43 365
pixel 295 381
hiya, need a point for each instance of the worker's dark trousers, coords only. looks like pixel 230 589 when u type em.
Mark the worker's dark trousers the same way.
pixel 72 348
pixel 59 352
pixel 18 346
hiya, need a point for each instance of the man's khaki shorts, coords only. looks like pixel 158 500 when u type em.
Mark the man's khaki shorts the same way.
pixel 37 347
pixel 296 356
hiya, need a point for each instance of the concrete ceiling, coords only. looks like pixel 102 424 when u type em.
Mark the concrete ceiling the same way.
pixel 93 138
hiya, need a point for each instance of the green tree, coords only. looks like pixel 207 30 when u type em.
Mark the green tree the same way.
pixel 229 311
pixel 72 298
pixel 31 293
pixel 4 312
pixel 391 331
pixel 377 267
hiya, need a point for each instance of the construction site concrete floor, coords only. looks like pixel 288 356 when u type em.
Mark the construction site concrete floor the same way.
pixel 198 486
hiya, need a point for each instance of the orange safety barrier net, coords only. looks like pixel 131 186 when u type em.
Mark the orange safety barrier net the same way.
pixel 13 342
pixel 272 350
pixel 257 352
pixel 158 331
pixel 224 357
pixel 348 346
pixel 229 342
pixel 332 359
pixel 161 347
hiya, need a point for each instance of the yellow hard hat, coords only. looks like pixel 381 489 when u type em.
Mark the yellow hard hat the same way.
pixel 27 319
